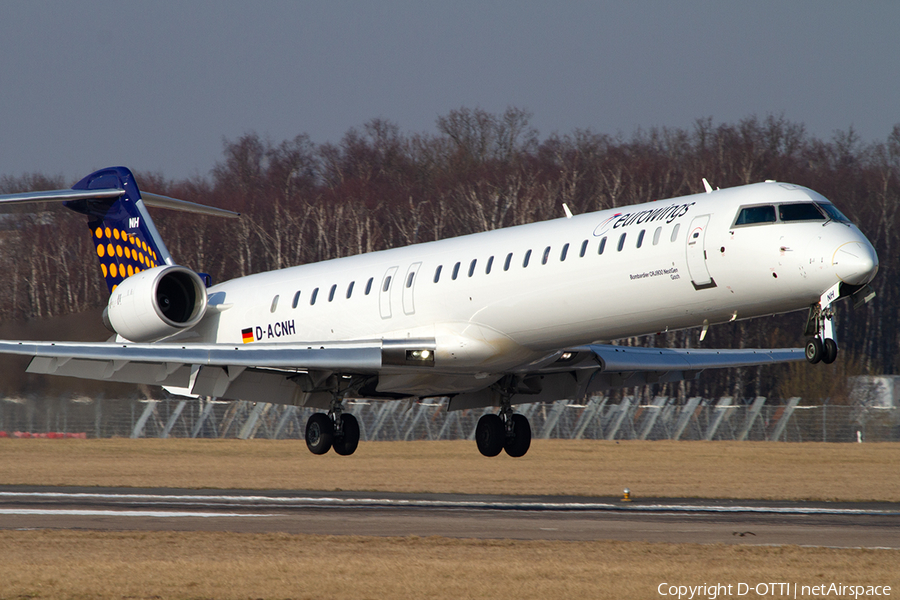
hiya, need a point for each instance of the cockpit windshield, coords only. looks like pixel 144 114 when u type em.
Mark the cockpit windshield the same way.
pixel 752 215
pixel 787 213
pixel 833 213
pixel 805 211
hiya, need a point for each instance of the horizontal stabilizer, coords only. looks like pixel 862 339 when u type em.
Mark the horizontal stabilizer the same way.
pixel 60 196
pixel 185 206
pixel 155 200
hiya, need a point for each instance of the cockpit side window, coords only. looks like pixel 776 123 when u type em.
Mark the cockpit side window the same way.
pixel 754 215
pixel 833 213
pixel 806 211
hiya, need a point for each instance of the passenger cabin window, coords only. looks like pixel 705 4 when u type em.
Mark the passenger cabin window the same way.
pixel 296 300
pixel 455 271
pixel 641 237
pixel 602 245
pixel 387 284
pixel 562 255
pixel 806 211
pixel 331 292
pixel 350 289
pixel 369 285
pixel 409 280
pixel 527 258
pixel 508 261
pixel 675 232
pixel 546 255
pixel 754 215
pixel 621 242
pixel 583 248
pixel 312 298
pixel 274 304
pixel 490 263
pixel 472 267
pixel 656 235
pixel 437 273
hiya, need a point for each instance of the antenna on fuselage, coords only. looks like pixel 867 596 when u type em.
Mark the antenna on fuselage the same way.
pixel 567 211
pixel 708 187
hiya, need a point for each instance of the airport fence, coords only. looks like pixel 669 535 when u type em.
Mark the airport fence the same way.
pixel 599 418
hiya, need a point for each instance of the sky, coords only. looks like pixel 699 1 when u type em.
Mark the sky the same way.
pixel 158 86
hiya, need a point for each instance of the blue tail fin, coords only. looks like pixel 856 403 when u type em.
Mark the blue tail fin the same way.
pixel 125 238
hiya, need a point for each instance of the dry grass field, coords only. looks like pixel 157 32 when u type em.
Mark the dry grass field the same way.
pixel 86 564
pixel 761 470
pixel 46 564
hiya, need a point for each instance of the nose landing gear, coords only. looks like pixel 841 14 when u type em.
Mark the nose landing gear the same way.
pixel 822 347
pixel 818 350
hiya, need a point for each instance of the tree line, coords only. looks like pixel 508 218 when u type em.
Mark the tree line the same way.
pixel 379 188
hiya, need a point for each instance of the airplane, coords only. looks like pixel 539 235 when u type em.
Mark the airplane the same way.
pixel 492 319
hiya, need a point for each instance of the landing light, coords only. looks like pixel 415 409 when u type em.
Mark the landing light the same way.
pixel 565 357
pixel 420 355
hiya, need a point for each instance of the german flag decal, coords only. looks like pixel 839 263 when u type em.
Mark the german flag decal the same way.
pixel 247 334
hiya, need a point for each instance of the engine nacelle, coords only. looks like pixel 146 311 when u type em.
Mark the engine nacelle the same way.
pixel 156 303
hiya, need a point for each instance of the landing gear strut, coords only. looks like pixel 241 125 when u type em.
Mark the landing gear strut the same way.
pixel 336 429
pixel 822 346
pixel 507 431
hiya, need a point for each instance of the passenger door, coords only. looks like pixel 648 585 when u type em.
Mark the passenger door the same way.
pixel 409 286
pixel 696 254
pixel 384 292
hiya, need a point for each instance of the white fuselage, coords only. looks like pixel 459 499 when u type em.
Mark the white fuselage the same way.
pixel 492 312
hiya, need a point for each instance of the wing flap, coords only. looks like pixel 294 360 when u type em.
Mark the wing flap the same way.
pixel 105 370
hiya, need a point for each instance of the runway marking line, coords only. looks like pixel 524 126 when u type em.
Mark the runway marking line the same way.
pixel 307 501
pixel 120 513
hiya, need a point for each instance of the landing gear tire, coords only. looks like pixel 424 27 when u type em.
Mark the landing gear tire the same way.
pixel 518 443
pixel 490 435
pixel 319 433
pixel 829 351
pixel 815 351
pixel 346 443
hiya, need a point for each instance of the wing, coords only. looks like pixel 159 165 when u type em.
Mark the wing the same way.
pixel 579 371
pixel 280 373
pixel 639 366
pixel 296 373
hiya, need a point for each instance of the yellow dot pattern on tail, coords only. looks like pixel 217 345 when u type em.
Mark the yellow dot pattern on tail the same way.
pixel 122 254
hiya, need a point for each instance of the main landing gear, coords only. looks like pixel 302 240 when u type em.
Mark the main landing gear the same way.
pixel 335 429
pixel 507 431
pixel 822 347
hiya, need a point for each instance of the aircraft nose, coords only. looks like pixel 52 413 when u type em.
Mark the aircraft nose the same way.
pixel 855 262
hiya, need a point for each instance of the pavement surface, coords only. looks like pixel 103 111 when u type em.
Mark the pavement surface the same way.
pixel 676 520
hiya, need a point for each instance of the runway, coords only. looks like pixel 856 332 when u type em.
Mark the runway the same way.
pixel 868 525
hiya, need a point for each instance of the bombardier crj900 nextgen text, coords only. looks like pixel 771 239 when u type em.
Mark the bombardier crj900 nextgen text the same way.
pixel 524 314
